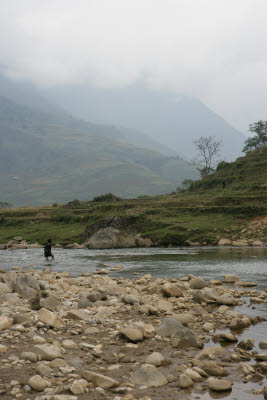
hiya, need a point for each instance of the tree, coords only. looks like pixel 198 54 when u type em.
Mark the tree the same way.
pixel 255 142
pixel 208 151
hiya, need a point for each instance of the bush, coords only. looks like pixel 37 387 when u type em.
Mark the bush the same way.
pixel 106 197
pixel 222 165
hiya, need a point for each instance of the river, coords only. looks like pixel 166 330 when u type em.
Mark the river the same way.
pixel 249 263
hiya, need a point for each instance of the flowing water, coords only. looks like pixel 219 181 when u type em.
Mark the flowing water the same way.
pixel 249 264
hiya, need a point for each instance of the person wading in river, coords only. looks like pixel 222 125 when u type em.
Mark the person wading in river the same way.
pixel 47 250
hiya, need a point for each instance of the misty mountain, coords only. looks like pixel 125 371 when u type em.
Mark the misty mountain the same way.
pixel 175 121
pixel 27 94
pixel 52 157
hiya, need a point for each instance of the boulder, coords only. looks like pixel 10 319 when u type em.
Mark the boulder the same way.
pixel 5 323
pixel 147 330
pixel 155 359
pixel 209 351
pixel 206 295
pixel 194 375
pixel 3 349
pixel 149 376
pixel 49 318
pixel 27 355
pixel 78 386
pixel 171 290
pixel 48 352
pixel 132 334
pixel 238 324
pixel 168 327
pixel 226 300
pixel 185 381
pixel 100 380
pixel 37 383
pixel 51 303
pixel 24 281
pixel 4 288
pixel 230 278
pixel 184 337
pixel 219 385
pixel 212 368
pixel 109 238
pixel 197 283
pixel 224 242
pixel 227 337
pixel 185 319
pixel 245 284
pixel 79 315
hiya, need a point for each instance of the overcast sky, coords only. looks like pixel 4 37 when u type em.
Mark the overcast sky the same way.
pixel 215 50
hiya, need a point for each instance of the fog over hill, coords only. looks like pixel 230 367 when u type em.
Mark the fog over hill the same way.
pixel 52 157
pixel 173 120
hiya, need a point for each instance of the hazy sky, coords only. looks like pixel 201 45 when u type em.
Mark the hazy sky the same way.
pixel 215 50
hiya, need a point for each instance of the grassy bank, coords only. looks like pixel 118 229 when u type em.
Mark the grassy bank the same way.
pixel 204 214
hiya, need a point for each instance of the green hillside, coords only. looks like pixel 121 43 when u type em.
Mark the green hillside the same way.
pixel 203 215
pixel 247 173
pixel 50 157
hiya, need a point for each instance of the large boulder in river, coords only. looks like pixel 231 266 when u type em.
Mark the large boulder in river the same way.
pixel 109 238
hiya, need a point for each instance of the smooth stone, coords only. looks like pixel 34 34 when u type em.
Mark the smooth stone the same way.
pixel 230 278
pixel 49 318
pixel 197 283
pixel 226 300
pixel 185 381
pixel 69 344
pixel 37 383
pixel 171 290
pixel 78 386
pixel 100 380
pixel 3 349
pixel 155 359
pixel 132 334
pixel 219 385
pixel 211 368
pixel 48 352
pixel 5 323
pixel 148 375
pixel 27 355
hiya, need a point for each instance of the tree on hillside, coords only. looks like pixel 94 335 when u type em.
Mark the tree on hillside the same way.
pixel 208 152
pixel 260 140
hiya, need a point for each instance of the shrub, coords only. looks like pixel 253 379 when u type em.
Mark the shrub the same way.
pixel 106 197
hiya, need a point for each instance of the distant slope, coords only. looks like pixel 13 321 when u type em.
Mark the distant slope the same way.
pixel 24 93
pixel 248 173
pixel 48 157
pixel 172 120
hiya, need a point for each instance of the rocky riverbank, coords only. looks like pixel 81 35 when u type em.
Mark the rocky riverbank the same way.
pixel 110 238
pixel 97 337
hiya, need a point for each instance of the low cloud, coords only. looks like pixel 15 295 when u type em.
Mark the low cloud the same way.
pixel 214 50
